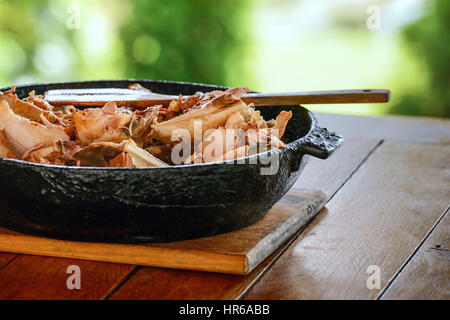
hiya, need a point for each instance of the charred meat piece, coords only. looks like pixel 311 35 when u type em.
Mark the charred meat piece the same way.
pixel 110 154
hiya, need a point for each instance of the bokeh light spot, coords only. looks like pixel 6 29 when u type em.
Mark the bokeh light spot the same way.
pixel 51 58
pixel 13 59
pixel 146 49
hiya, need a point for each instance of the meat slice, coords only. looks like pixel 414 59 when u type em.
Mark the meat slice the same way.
pixel 5 149
pixel 281 122
pixel 107 124
pixel 22 134
pixel 41 112
pixel 110 154
pixel 211 114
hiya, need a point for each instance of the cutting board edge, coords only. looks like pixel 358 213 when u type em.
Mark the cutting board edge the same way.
pixel 143 255
pixel 296 223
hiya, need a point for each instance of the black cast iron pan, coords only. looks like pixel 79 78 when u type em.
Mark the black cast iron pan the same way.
pixel 161 203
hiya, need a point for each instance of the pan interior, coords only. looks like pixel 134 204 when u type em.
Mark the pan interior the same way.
pixel 298 126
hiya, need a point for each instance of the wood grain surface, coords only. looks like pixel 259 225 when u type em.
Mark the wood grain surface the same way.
pixel 5 258
pixel 34 277
pixel 427 274
pixel 157 284
pixel 330 174
pixel 378 218
pixel 401 128
pixel 318 97
pixel 143 98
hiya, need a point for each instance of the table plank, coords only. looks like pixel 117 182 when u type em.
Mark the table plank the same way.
pixel 33 277
pixel 159 284
pixel 427 275
pixel 5 258
pixel 330 174
pixel 378 217
pixel 152 283
pixel 403 128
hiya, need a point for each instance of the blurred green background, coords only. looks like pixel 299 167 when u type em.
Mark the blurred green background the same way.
pixel 268 45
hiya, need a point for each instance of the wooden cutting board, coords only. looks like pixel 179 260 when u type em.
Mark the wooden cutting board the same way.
pixel 237 252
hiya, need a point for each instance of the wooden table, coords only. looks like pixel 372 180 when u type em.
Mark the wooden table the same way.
pixel 387 217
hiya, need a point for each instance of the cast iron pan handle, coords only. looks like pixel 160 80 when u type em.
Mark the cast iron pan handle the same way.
pixel 321 143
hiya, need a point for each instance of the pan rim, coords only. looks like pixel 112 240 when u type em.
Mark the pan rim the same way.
pixel 293 145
